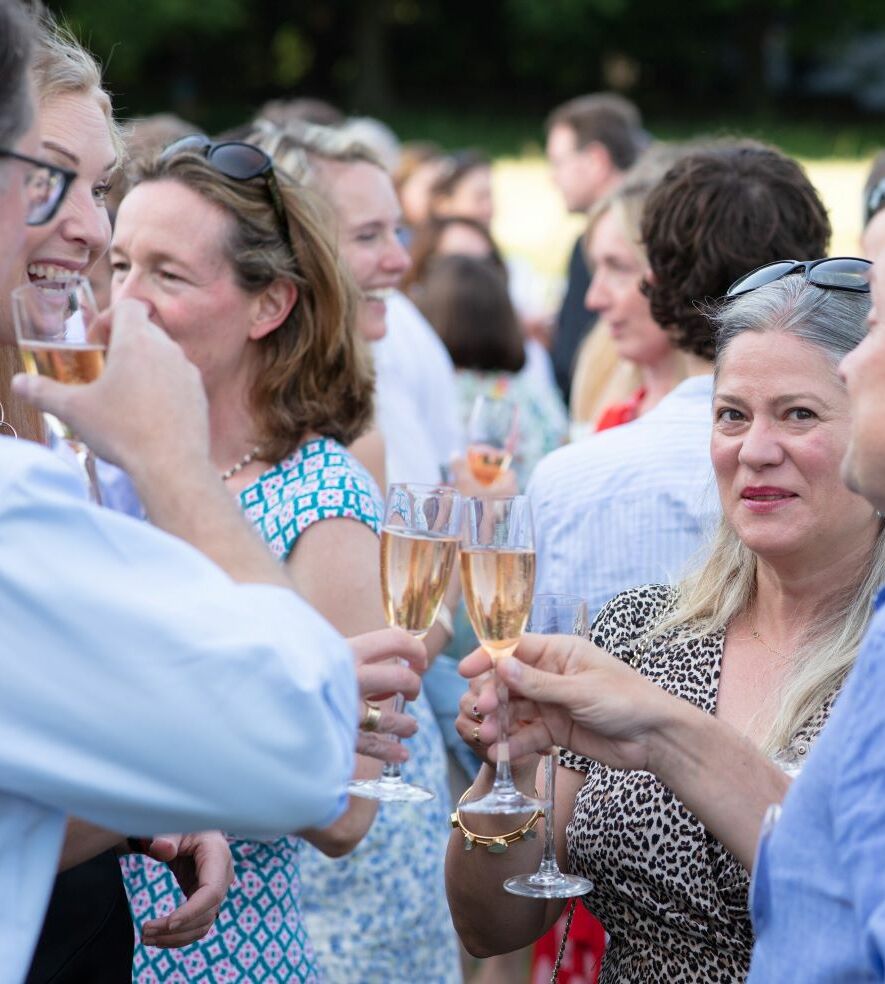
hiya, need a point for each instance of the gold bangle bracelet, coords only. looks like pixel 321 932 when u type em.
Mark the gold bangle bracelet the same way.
pixel 497 843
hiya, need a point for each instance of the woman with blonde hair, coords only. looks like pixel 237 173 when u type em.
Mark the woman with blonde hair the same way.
pixel 627 365
pixel 752 651
pixel 80 136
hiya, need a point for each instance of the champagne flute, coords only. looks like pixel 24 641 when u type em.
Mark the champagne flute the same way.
pixel 419 543
pixel 552 614
pixel 52 322
pixel 498 578
pixel 491 433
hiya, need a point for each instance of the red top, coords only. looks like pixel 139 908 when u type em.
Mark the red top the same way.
pixel 621 413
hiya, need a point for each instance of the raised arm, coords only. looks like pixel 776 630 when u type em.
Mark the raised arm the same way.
pixel 144 689
pixel 596 705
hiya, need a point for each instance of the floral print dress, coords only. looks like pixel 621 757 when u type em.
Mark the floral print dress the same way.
pixel 260 935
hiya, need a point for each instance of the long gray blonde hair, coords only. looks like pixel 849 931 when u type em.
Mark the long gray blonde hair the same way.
pixel 725 586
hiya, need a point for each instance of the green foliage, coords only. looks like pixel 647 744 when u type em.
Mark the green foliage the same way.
pixel 129 33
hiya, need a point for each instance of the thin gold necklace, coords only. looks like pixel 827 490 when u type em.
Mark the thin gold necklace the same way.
pixel 771 649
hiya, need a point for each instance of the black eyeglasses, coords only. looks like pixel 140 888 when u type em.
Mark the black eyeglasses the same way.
pixel 239 161
pixel 832 273
pixel 46 185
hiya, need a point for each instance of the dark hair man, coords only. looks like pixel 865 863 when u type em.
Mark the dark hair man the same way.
pixel 591 141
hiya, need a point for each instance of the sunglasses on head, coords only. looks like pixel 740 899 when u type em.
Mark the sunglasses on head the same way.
pixel 875 201
pixel 45 184
pixel 238 161
pixel 832 273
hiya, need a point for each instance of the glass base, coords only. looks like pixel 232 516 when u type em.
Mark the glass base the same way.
pixel 542 885
pixel 389 790
pixel 503 800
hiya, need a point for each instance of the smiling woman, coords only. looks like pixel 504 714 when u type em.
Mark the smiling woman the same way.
pixel 78 133
pixel 760 638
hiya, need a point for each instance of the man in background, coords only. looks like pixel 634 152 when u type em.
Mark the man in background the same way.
pixel 591 142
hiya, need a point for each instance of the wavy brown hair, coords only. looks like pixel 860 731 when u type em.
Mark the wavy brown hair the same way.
pixel 718 213
pixel 314 373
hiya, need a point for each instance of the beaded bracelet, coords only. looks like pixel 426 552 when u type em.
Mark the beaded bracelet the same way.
pixel 497 843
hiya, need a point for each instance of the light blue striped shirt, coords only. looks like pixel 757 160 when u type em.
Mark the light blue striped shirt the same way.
pixel 630 505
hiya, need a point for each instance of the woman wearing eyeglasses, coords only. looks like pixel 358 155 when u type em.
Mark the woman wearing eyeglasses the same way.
pixel 239 269
pixel 760 640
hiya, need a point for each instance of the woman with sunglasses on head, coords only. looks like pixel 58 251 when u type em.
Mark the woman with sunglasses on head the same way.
pixel 237 268
pixel 714 690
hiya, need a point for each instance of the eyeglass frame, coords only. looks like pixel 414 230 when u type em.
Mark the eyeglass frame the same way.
pixel 197 143
pixel 875 201
pixel 67 179
pixel 807 266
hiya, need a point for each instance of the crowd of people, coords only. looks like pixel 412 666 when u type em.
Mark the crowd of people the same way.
pixel 300 312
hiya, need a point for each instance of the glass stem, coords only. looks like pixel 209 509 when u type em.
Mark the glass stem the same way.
pixel 503 775
pixel 86 459
pixel 548 860
pixel 392 771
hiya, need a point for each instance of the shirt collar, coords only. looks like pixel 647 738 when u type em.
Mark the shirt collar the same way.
pixel 879 600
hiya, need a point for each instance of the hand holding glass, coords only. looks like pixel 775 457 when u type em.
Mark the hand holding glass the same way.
pixel 498 578
pixel 419 543
pixel 52 321
pixel 552 614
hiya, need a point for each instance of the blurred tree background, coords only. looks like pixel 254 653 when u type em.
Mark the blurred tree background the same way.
pixel 807 73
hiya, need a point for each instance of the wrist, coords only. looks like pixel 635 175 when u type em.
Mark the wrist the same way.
pixel 674 739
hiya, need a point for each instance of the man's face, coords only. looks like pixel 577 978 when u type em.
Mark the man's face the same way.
pixel 863 370
pixel 575 171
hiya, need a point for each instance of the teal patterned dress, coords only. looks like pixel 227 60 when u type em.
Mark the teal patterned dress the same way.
pixel 260 935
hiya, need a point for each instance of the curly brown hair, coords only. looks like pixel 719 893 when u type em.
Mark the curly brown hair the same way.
pixel 314 372
pixel 718 213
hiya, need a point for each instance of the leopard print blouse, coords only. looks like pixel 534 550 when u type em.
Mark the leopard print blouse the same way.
pixel 673 900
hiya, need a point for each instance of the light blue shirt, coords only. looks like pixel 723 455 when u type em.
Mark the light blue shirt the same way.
pixel 818 893
pixel 630 505
pixel 143 690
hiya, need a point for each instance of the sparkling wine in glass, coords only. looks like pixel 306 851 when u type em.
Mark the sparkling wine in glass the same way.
pixel 491 434
pixel 419 544
pixel 52 321
pixel 498 579
pixel 553 614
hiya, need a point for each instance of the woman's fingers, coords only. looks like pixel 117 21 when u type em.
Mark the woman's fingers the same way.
pixel 387 678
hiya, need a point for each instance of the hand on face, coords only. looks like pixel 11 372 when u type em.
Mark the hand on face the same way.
pixel 147 409
pixel 567 692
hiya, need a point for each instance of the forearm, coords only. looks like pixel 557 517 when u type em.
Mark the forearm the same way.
pixel 719 774
pixel 84 841
pixel 489 919
pixel 352 826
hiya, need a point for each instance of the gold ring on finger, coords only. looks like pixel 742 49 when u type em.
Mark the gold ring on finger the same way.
pixel 474 735
pixel 371 718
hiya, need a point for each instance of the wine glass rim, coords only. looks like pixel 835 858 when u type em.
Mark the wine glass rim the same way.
pixel 558 598
pixel 75 279
pixel 422 487
pixel 497 498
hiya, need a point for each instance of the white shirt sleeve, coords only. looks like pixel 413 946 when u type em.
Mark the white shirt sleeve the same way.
pixel 143 689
